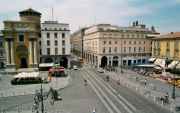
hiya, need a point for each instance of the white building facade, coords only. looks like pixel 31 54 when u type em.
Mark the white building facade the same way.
pixel 108 45
pixel 55 43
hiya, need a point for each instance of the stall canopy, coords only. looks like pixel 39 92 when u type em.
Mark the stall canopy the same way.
pixel 151 59
pixel 160 62
pixel 27 74
pixel 173 64
pixel 46 65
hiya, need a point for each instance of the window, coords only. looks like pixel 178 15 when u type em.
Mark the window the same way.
pixel 109 42
pixel 129 49
pixel 134 49
pixel 139 49
pixel 63 42
pixel 63 35
pixel 124 42
pixel 39 43
pixel 144 42
pixel 45 28
pixel 104 50
pixel 48 42
pixel 132 35
pixel 129 42
pixel 139 42
pixel 104 42
pixel 63 50
pixel 115 49
pixel 56 42
pixel 134 42
pixel 48 51
pixel 144 49
pixel 1 44
pixel 109 49
pixel 40 52
pixel 124 49
pixel 56 51
pixel 21 38
pixel 55 35
pixel 115 42
pixel 122 35
pixel 48 35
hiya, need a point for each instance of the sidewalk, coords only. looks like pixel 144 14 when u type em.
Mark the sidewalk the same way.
pixel 153 90
pixel 16 90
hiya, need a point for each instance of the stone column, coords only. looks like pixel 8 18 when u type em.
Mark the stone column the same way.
pixel 98 61
pixel 30 53
pixel 35 52
pixel 12 52
pixel 7 52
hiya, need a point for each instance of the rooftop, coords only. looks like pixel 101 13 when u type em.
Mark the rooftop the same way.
pixel 29 12
pixel 171 35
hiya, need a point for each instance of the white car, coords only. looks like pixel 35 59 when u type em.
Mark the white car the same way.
pixel 100 70
pixel 75 67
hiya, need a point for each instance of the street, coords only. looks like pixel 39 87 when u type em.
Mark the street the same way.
pixel 98 95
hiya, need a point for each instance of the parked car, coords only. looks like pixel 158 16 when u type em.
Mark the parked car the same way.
pixel 100 70
pixel 75 67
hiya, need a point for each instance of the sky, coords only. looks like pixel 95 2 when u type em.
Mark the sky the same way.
pixel 163 14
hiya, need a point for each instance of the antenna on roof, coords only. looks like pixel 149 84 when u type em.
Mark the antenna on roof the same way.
pixel 52 14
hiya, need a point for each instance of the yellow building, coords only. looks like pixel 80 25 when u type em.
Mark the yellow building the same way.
pixel 20 38
pixel 167 46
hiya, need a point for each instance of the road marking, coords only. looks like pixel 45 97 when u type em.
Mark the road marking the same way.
pixel 120 102
pixel 121 97
pixel 108 99
pixel 100 97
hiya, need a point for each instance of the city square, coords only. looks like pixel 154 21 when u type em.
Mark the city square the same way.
pixel 89 56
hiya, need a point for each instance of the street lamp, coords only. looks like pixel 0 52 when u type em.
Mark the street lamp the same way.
pixel 121 58
pixel 174 87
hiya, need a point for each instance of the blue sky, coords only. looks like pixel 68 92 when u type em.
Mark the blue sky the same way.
pixel 163 14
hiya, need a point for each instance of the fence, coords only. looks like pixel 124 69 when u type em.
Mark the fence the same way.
pixel 148 91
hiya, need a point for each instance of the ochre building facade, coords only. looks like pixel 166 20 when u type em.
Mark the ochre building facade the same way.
pixel 20 38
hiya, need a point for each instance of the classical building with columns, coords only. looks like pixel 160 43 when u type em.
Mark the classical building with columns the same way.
pixel 2 52
pixel 109 45
pixel 20 38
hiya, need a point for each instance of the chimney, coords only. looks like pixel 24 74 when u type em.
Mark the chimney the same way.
pixel 153 29
pixel 134 24
pixel 137 23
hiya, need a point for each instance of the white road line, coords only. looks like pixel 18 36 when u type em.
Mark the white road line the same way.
pixel 103 93
pixel 100 97
pixel 120 102
pixel 121 97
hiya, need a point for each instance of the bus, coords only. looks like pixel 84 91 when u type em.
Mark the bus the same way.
pixel 45 66
pixel 57 72
pixel 26 78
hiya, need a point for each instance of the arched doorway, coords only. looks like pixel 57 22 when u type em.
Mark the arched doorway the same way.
pixel 104 61
pixel 64 62
pixel 48 60
pixel 23 63
pixel 115 61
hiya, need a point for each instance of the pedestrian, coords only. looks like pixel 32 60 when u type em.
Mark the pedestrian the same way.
pixel 94 110
pixel 167 98
pixel 145 82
